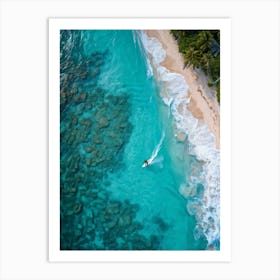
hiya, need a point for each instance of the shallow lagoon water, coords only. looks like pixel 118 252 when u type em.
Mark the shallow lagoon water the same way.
pixel 112 118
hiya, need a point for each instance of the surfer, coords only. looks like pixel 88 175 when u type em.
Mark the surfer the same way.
pixel 146 163
pixel 156 150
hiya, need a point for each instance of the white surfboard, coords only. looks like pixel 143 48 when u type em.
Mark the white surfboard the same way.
pixel 145 164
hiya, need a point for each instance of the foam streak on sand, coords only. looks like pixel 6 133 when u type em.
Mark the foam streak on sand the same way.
pixel 196 115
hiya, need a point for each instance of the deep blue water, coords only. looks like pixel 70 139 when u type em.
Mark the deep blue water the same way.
pixel 112 119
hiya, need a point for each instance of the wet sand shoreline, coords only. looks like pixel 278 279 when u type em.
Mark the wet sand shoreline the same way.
pixel 203 103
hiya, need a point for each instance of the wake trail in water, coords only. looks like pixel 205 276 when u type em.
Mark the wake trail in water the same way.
pixel 158 160
pixel 157 148
pixel 153 160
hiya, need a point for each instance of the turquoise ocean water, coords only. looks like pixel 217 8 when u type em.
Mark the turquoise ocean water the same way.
pixel 112 119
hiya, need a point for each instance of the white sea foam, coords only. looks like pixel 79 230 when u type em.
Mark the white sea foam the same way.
pixel 202 144
pixel 138 41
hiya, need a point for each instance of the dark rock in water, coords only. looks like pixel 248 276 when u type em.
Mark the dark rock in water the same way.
pixel 113 208
pixel 139 242
pixel 86 122
pixel 112 223
pixel 110 237
pixel 118 143
pixel 103 122
pixel 111 134
pixel 93 98
pixel 80 98
pixel 114 99
pixel 89 149
pixel 131 229
pixel 76 99
pixel 99 62
pixel 105 105
pixel 92 162
pixel 124 247
pixel 69 160
pixel 89 106
pixel 92 174
pixel 135 207
pixel 102 195
pixel 77 208
pixel 114 114
pixel 83 96
pixel 159 221
pixel 83 189
pixel 126 202
pixel 99 114
pixel 99 175
pixel 155 242
pixel 148 243
pixel 129 128
pixel 122 100
pixel 74 89
pixel 63 191
pixel 99 160
pixel 83 75
pixel 115 204
pixel 77 233
pixel 106 217
pixel 106 163
pixel 91 234
pixel 93 195
pixel 74 120
pixel 122 125
pixel 99 90
pixel 137 226
pixel 95 54
pixel 98 139
pixel 121 242
pixel 95 72
pixel 63 98
pixel 100 94
pixel 112 246
pixel 70 140
pixel 83 137
pixel 127 219
pixel 124 220
pixel 73 190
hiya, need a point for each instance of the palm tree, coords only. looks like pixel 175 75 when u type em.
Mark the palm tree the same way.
pixel 192 57
pixel 205 62
pixel 204 40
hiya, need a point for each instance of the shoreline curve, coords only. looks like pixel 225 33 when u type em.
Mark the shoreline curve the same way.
pixel 203 103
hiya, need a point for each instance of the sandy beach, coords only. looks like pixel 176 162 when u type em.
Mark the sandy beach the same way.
pixel 203 105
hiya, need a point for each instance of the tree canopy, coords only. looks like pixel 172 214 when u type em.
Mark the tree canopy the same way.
pixel 201 49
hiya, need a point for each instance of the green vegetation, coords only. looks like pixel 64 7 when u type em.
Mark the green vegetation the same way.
pixel 201 49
